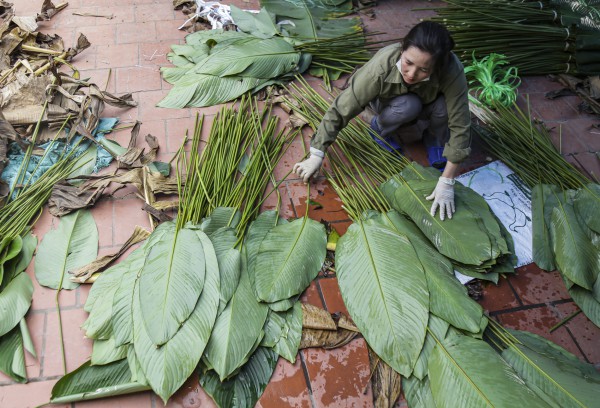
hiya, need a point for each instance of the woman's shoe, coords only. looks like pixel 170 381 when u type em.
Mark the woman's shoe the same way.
pixel 390 143
pixel 435 158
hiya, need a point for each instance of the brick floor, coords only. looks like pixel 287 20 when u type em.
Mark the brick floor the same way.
pixel 127 51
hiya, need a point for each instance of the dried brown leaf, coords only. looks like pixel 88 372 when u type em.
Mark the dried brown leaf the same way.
pixel 25 23
pixel 385 382
pixel 159 215
pixel 49 10
pixel 66 198
pixel 130 157
pixel 327 339
pixel 149 157
pixel 314 317
pixel 160 184
pixel 82 274
pixel 297 121
pixel 165 205
pixel 346 323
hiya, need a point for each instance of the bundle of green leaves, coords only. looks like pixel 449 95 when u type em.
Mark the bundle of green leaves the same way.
pixel 214 292
pixel 564 203
pixel 285 38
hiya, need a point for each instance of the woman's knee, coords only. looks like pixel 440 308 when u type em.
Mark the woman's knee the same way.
pixel 403 109
pixel 437 109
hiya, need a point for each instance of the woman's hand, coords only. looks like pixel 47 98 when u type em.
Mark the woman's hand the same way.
pixel 443 198
pixel 443 194
pixel 309 167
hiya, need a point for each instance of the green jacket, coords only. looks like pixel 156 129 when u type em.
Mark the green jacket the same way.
pixel 380 78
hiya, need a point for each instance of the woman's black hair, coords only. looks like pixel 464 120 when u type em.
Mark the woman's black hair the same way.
pixel 432 38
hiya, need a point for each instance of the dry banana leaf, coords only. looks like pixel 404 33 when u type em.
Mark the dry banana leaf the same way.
pixel 82 274
pixel 66 198
pixel 319 329
pixel 327 339
pixel 385 382
pixel 49 10
pixel 314 317
pixel 159 215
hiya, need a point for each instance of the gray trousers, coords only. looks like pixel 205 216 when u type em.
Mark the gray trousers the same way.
pixel 405 110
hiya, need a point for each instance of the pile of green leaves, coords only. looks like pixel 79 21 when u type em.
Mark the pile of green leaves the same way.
pixel 401 291
pixel 474 240
pixel 564 204
pixel 491 83
pixel 214 292
pixel 284 39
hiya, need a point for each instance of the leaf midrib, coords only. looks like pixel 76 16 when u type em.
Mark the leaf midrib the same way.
pixel 373 265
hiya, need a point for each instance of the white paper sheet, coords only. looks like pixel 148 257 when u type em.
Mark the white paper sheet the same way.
pixel 510 199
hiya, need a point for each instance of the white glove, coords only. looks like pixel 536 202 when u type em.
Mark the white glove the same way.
pixel 309 167
pixel 443 198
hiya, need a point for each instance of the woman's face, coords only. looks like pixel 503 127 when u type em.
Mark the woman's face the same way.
pixel 416 65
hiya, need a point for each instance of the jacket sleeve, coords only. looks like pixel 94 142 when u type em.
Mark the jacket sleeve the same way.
pixel 365 85
pixel 455 92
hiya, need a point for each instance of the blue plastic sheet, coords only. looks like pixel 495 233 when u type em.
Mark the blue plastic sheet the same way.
pixel 37 166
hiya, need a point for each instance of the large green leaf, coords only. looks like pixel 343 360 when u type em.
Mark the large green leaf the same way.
pixel 167 367
pixel 199 90
pixel 439 328
pixel 26 255
pixel 486 219
pixel 543 200
pixel 243 390
pixel 122 318
pixel 106 352
pixel 27 341
pixel 90 382
pixel 261 24
pixel 251 57
pixel 9 253
pixel 236 330
pixel 219 218
pixel 15 300
pixel 586 301
pixel 553 370
pixel 587 206
pixel 12 356
pixel 418 392
pixel 72 245
pixel 312 19
pixel 172 279
pixel 575 255
pixel 461 238
pixel 257 231
pixel 232 67
pixel 466 372
pixel 448 298
pixel 230 262
pixel 385 290
pixel 289 258
pixel 283 331
pixel 99 324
